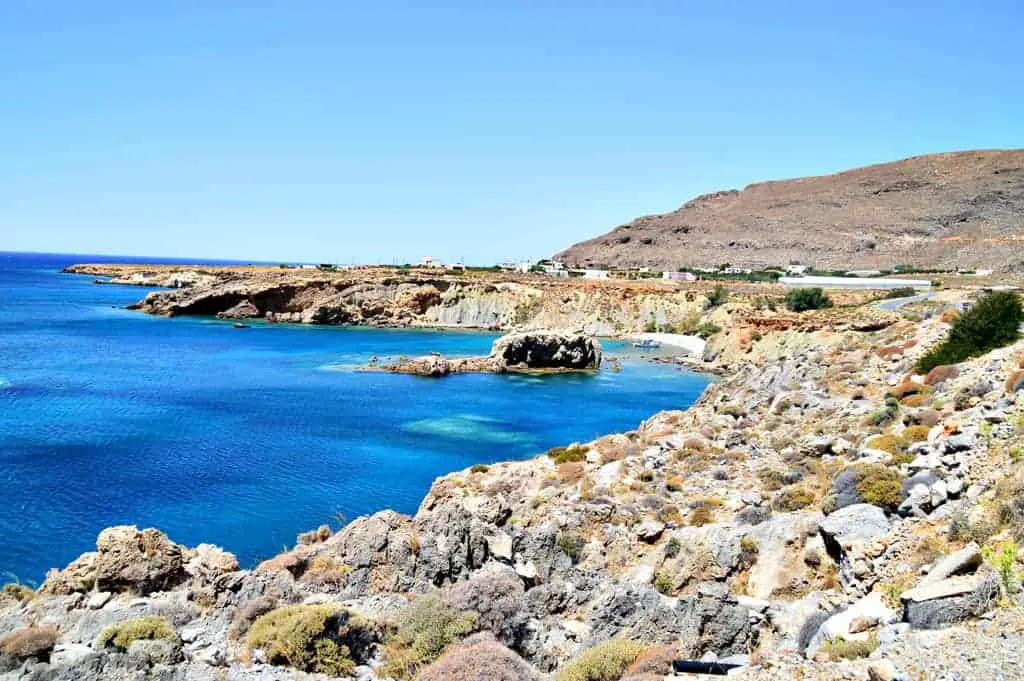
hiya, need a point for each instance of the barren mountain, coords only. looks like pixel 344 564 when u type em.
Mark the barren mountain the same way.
pixel 955 210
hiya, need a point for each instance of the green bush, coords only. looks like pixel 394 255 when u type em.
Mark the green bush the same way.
pixel 570 543
pixel 707 330
pixel 304 637
pixel 879 486
pixel 570 454
pixel 122 635
pixel 421 633
pixel 802 299
pixel 479 468
pixel 663 582
pixel 904 292
pixel 840 649
pixel 604 662
pixel 793 499
pixel 718 296
pixel 992 323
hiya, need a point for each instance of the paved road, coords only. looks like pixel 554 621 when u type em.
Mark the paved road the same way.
pixel 897 303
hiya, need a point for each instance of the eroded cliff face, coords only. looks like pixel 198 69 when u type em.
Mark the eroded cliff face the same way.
pixel 387 299
pixel 820 493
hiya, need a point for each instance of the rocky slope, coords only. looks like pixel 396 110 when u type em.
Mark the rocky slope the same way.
pixel 818 514
pixel 957 210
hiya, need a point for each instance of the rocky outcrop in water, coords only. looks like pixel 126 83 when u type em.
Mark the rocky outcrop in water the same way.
pixel 538 351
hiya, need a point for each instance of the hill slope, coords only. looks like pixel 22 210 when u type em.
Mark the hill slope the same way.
pixel 962 209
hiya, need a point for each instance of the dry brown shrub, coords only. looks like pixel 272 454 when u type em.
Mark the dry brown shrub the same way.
pixel 942 373
pixel 655 663
pixel 247 613
pixel 570 473
pixel 29 642
pixel 477 658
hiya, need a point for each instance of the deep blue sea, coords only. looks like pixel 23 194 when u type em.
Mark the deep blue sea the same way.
pixel 243 438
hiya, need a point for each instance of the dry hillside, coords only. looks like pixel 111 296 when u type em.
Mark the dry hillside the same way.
pixel 962 209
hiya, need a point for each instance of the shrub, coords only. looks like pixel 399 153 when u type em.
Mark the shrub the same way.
pixel 908 388
pixel 912 434
pixel 1015 382
pixel 992 323
pixel 122 635
pixel 495 593
pixel 304 637
pixel 478 657
pixel 675 483
pixel 17 592
pixel 1003 559
pixel 421 632
pixel 247 613
pixel 701 516
pixel 29 642
pixel 479 468
pixel 893 444
pixel 793 499
pixel 840 649
pixel 941 374
pixel 707 330
pixel 879 485
pixel 604 662
pixel 903 292
pixel 803 299
pixel 771 478
pixel 663 582
pixel 570 543
pixel 571 454
pixel 655 663
pixel 672 547
pixel 718 296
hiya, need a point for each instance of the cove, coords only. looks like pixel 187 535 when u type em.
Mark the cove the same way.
pixel 243 438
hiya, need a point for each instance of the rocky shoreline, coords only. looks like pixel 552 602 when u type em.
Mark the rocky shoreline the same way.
pixel 822 512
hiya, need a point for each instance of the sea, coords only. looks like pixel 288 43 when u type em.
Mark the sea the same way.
pixel 245 437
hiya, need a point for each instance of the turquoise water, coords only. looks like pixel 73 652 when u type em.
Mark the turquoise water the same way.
pixel 243 438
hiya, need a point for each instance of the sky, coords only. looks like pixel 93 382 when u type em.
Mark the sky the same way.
pixel 387 131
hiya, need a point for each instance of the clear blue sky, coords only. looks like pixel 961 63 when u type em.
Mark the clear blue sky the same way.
pixel 371 131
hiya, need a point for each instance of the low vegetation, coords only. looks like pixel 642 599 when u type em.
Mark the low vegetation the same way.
pixel 604 662
pixel 30 642
pixel 803 299
pixel 793 499
pixel 991 323
pixel 570 454
pixel 879 485
pixel 304 637
pixel 122 635
pixel 480 657
pixel 840 649
pixel 420 634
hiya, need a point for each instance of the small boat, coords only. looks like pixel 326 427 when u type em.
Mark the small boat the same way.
pixel 647 344
pixel 240 325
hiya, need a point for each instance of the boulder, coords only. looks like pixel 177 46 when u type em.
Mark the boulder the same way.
pixel 243 310
pixel 966 560
pixel 940 603
pixel 851 623
pixel 126 560
pixel 547 350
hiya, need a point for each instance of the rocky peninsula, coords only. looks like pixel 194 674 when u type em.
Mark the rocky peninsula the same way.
pixel 825 511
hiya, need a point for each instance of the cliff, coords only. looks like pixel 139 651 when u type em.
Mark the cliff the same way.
pixel 819 504
pixel 947 211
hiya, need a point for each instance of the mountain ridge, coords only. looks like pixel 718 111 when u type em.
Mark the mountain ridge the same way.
pixel 961 209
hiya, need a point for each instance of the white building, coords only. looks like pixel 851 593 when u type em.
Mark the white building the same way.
pixel 430 262
pixel 679 276
pixel 736 270
pixel 595 274
pixel 797 270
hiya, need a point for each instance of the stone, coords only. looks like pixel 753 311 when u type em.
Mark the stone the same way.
pixel 858 522
pixel 967 559
pixel 869 610
pixel 640 574
pixel 527 570
pixel 98 599
pixel 243 310
pixel 547 350
pixel 209 562
pixel 882 670
pixel 650 530
pixel 944 602
pixel 500 546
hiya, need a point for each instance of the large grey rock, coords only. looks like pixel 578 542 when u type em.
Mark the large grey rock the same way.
pixel 547 350
pixel 859 522
pixel 870 608
pixel 944 602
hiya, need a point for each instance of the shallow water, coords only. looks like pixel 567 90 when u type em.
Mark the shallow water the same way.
pixel 245 437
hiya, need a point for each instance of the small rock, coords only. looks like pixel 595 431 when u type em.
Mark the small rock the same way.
pixel 882 670
pixel 98 599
